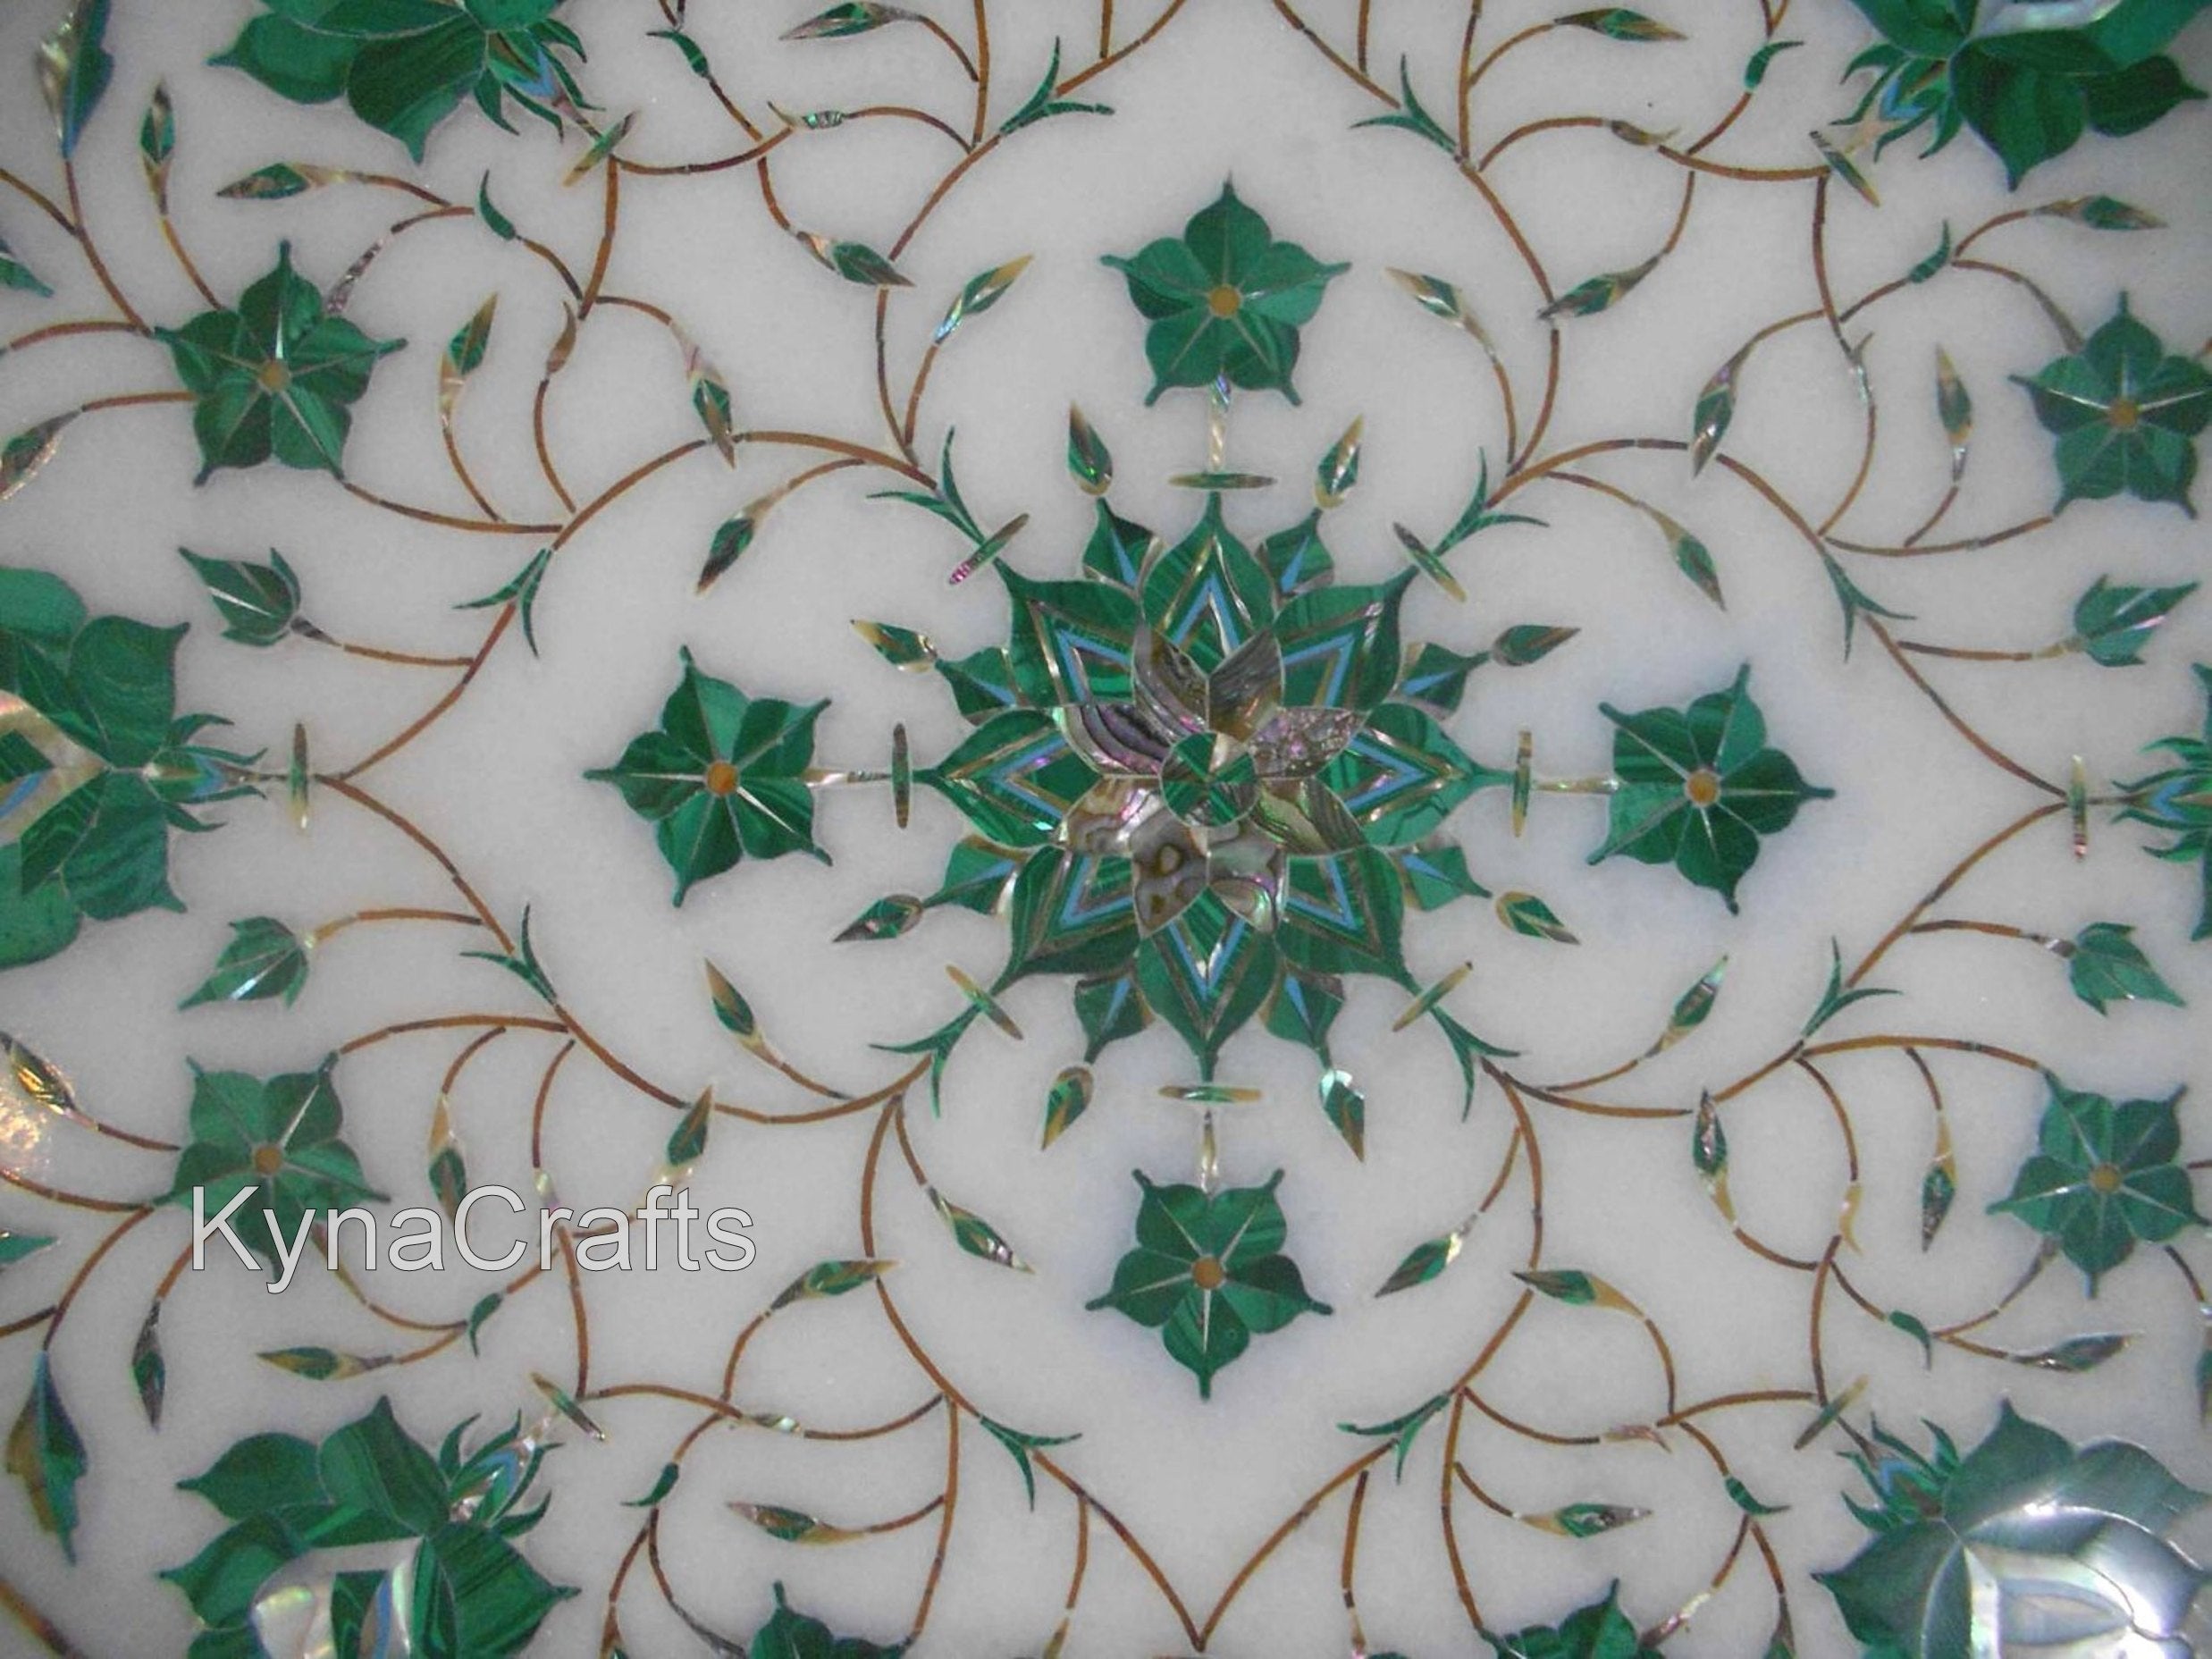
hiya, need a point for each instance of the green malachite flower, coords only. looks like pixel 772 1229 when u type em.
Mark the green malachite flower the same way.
pixel 2179 799
pixel 1225 299
pixel 2126 414
pixel 1699 786
pixel 2103 1176
pixel 1208 1273
pixel 2026 1507
pixel 723 779
pixel 405 65
pixel 276 377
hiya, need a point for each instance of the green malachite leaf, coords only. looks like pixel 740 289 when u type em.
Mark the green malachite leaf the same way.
pixel 1598 1631
pixel 2125 414
pixel 687 1141
pixel 1402 1431
pixel 448 1166
pixel 693 58
pixel 15 1246
pixel 887 918
pixel 150 1373
pixel 324 1365
pixel 1937 1187
pixel 855 262
pixel 2113 624
pixel 1690 1011
pixel 1709 1154
pixel 982 294
pixel 1762 60
pixel 792 1526
pixel 831 1278
pixel 1042 105
pixel 47 1455
pixel 1530 916
pixel 73 70
pixel 23 456
pixel 1620 23
pixel 264 959
pixel 279 180
pixel 1412 116
pixel 2075 1354
pixel 1578 1288
pixel 522 592
pixel 1441 298
pixel 1436 678
pixel 1956 409
pixel 522 961
pixel 730 1008
pixel 854 17
pixel 2104 1177
pixel 486 1306
pixel 1936 261
pixel 1089 462
pixel 2106 966
pixel 661 1486
pixel 496 221
pixel 157 141
pixel 1528 642
pixel 599 149
pixel 1598 293
pixel 1918 1331
pixel 1346 1108
pixel 1068 1099
pixel 710 402
pixel 1339 470
pixel 2102 213
pixel 976 1235
pixel 728 547
pixel 259 604
pixel 464 355
pixel 1424 1261
pixel 1019 1446
pixel 901 647
pixel 1740 1495
pixel 1691 557
pixel 14 273
pixel 791 1635
pixel 1585 1520
pixel 1715 410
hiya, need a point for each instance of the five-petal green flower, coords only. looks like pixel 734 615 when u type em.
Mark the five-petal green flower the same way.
pixel 1697 788
pixel 2126 414
pixel 1225 299
pixel 276 377
pixel 724 777
pixel 1208 1273
pixel 2104 1176
pixel 277 1139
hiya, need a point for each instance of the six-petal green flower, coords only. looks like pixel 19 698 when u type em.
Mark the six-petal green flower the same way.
pixel 1225 299
pixel 276 377
pixel 2104 1176
pixel 724 777
pixel 2126 414
pixel 1208 1273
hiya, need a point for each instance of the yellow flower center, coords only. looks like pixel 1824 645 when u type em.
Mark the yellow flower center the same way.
pixel 1208 1273
pixel 2125 415
pixel 268 1159
pixel 721 779
pixel 1703 787
pixel 2105 1179
pixel 1224 302
pixel 272 377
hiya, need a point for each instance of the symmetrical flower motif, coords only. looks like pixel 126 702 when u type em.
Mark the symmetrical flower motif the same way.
pixel 2029 85
pixel 2023 1533
pixel 2179 799
pixel 459 1589
pixel 1698 787
pixel 277 1140
pixel 2126 414
pixel 405 65
pixel 2104 1176
pixel 1208 1273
pixel 1598 1631
pixel 1225 300
pixel 724 776
pixel 276 377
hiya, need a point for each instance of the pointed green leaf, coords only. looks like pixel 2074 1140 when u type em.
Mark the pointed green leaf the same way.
pixel 2106 965
pixel 47 1455
pixel 264 959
